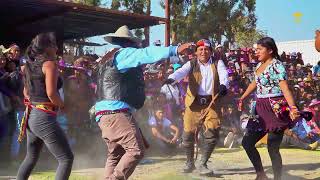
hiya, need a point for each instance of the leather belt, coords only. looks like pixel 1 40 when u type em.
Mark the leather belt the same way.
pixel 203 100
pixel 107 112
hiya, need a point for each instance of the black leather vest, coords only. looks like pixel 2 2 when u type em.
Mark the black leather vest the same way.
pixel 37 90
pixel 127 87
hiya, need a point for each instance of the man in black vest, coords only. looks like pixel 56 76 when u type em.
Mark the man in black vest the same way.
pixel 120 89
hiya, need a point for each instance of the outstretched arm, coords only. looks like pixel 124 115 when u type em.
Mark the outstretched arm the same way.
pixel 132 57
pixel 182 72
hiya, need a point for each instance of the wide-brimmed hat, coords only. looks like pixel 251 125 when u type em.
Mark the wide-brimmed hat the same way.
pixel 122 32
pixel 230 72
pixel 307 80
pixel 219 46
pixel 309 65
pixel 296 86
pixel 4 50
pixel 293 54
pixel 314 102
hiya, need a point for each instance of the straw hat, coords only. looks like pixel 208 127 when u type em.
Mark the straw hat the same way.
pixel 3 50
pixel 122 32
pixel 219 46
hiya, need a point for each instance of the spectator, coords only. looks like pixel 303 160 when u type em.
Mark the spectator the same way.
pixel 14 54
pixel 164 132
pixel 299 58
pixel 299 71
pixel 316 69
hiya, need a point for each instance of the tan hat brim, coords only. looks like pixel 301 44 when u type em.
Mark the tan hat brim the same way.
pixel 109 38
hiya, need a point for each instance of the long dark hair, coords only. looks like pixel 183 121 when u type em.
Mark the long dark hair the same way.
pixel 36 55
pixel 270 44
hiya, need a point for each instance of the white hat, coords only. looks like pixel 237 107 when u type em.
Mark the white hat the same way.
pixel 219 46
pixel 3 49
pixel 122 32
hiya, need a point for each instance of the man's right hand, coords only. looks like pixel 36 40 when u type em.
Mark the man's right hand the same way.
pixel 169 81
pixel 186 48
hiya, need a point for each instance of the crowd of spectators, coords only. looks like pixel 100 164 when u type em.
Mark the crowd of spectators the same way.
pixel 161 118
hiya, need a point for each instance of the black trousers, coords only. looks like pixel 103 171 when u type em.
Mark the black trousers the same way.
pixel 43 129
pixel 274 141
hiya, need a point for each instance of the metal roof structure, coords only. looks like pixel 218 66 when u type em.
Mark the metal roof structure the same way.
pixel 23 19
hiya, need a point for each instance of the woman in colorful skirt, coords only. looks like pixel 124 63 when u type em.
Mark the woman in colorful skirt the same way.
pixel 275 108
pixel 42 102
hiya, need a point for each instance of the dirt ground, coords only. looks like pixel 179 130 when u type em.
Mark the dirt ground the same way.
pixel 226 163
pixel 229 164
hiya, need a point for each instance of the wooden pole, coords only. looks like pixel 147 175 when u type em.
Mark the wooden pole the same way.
pixel 167 31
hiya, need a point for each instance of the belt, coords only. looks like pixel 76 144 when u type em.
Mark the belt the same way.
pixel 203 100
pixel 107 112
pixel 46 107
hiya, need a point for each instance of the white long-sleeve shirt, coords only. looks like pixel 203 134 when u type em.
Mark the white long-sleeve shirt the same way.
pixel 205 87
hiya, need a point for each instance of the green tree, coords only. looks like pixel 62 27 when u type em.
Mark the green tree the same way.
pixel 135 6
pixel 178 24
pixel 88 2
pixel 249 38
pixel 212 19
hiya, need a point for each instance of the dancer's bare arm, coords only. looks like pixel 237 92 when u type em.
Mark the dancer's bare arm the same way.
pixel 51 78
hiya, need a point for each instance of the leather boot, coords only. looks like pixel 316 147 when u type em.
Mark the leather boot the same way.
pixel 189 166
pixel 203 168
pixel 188 143
pixel 211 137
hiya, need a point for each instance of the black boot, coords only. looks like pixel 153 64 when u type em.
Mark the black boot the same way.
pixel 203 168
pixel 188 142
pixel 189 166
pixel 210 139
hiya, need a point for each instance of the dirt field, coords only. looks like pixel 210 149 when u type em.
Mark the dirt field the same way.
pixel 230 164
pixel 227 164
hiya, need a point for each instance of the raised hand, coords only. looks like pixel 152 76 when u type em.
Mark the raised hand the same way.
pixel 186 48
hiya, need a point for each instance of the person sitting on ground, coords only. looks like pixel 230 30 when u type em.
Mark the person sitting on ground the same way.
pixel 165 134
pixel 290 138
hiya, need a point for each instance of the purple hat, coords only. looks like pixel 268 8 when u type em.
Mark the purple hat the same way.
pixel 62 63
pixel 230 71
pixel 314 102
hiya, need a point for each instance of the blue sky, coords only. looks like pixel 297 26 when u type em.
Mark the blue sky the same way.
pixel 276 17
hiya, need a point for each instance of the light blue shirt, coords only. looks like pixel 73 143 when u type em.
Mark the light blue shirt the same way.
pixel 127 58
pixel 301 129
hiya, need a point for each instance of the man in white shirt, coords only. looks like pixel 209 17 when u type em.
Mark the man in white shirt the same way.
pixel 206 80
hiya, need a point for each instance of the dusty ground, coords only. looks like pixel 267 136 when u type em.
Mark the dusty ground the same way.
pixel 227 164
pixel 230 164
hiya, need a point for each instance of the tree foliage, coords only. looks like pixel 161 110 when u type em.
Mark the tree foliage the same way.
pixel 248 38
pixel 213 19
pixel 88 2
pixel 135 6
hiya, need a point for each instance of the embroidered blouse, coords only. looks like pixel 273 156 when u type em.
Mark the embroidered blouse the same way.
pixel 268 80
